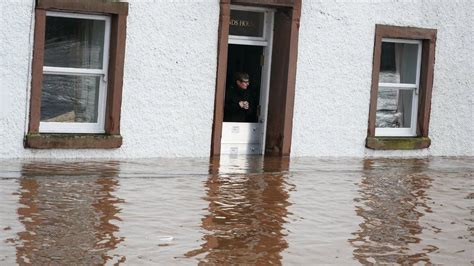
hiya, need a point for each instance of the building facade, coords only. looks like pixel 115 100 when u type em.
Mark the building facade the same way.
pixel 137 79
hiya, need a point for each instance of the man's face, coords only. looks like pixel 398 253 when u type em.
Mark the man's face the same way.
pixel 243 84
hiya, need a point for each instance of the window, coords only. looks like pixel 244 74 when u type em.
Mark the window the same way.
pixel 77 74
pixel 401 88
pixel 74 73
pixel 397 96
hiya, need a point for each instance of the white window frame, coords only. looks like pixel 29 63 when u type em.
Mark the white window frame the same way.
pixel 411 131
pixel 99 126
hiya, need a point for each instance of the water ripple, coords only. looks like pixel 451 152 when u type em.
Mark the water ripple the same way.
pixel 242 210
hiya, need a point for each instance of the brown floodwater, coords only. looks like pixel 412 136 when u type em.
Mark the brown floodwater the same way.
pixel 242 210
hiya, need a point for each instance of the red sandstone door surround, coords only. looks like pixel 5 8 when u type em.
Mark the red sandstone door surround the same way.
pixel 282 76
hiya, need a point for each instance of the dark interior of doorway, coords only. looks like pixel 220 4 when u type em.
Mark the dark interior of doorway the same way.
pixel 246 58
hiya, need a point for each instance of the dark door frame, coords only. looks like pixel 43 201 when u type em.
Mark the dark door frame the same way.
pixel 282 75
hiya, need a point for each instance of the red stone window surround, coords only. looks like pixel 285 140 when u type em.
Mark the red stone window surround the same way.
pixel 118 12
pixel 428 39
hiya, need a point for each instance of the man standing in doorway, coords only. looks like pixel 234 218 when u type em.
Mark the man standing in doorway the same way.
pixel 239 101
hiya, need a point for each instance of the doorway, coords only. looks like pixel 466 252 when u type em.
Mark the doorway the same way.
pixel 245 59
pixel 275 29
pixel 243 127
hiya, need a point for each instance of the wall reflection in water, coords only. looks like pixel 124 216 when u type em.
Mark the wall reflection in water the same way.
pixel 393 197
pixel 67 218
pixel 247 212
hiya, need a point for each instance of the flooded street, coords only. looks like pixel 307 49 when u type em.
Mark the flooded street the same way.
pixel 238 210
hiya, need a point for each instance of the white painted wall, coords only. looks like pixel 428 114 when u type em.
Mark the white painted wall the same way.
pixel 16 40
pixel 335 66
pixel 171 62
pixel 169 81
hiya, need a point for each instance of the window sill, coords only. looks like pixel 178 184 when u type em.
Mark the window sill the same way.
pixel 397 143
pixel 72 141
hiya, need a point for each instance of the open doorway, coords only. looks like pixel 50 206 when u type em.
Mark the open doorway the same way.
pixel 273 31
pixel 243 125
pixel 244 59
pixel 247 81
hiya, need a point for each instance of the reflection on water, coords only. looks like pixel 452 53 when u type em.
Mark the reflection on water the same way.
pixel 66 219
pixel 391 204
pixel 242 210
pixel 246 215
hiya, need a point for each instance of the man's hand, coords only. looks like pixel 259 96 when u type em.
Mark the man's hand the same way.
pixel 244 104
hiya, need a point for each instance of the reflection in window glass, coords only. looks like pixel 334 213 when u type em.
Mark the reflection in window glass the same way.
pixel 73 42
pixel 398 63
pixel 67 98
pixel 394 108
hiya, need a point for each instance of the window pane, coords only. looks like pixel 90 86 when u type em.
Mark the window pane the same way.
pixel 394 108
pixel 398 63
pixel 67 98
pixel 73 42
pixel 246 23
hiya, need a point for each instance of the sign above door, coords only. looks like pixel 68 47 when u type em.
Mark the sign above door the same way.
pixel 246 23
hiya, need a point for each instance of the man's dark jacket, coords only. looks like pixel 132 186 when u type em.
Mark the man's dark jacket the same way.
pixel 233 112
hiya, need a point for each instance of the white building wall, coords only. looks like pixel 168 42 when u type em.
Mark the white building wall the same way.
pixel 334 73
pixel 169 80
pixel 170 73
pixel 16 40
